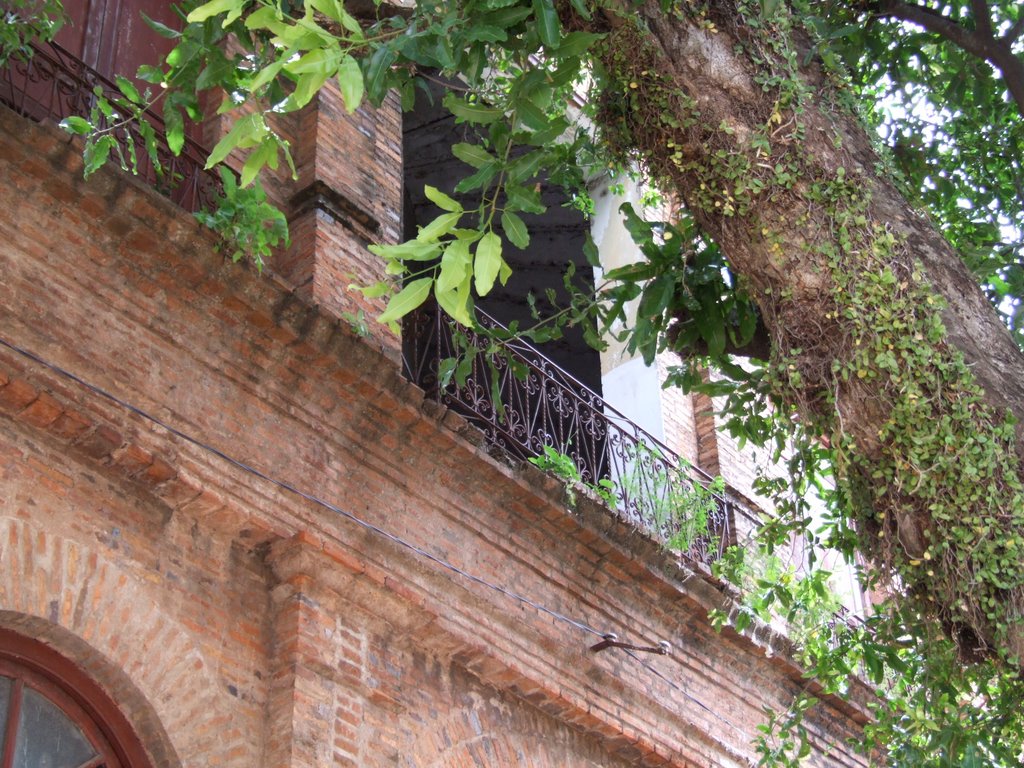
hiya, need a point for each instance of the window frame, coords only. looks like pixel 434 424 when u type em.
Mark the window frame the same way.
pixel 37 665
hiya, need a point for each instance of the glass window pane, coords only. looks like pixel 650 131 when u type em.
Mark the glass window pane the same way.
pixel 46 737
pixel 5 696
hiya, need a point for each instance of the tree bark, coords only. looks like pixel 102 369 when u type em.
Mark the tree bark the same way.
pixel 723 85
pixel 777 246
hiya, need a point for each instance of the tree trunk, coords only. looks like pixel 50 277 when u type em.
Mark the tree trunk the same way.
pixel 793 246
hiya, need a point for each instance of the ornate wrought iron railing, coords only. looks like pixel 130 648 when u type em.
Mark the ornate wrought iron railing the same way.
pixel 523 402
pixel 54 84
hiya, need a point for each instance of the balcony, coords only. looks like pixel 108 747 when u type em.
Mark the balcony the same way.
pixel 522 401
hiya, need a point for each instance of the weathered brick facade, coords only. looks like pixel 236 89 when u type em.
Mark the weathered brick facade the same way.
pixel 238 624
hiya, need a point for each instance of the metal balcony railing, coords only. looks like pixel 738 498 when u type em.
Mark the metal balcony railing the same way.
pixel 542 405
pixel 54 84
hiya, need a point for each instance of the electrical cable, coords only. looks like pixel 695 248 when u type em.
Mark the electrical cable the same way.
pixel 394 538
pixel 679 689
pixel 298 492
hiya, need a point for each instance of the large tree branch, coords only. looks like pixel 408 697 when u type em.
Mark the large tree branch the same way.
pixel 785 243
pixel 979 42
pixel 933 21
pixel 1012 68
pixel 982 17
pixel 726 93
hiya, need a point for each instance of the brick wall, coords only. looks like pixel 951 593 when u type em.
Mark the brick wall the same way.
pixel 241 625
pixel 677 411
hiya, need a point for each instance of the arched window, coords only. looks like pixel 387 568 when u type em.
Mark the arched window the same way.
pixel 52 715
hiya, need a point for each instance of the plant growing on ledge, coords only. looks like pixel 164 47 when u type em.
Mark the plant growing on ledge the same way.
pixel 884 364
pixel 674 507
pixel 247 223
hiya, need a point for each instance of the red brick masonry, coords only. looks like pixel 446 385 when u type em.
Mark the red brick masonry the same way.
pixel 239 625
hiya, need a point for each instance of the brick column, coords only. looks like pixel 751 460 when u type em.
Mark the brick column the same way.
pixel 706 431
pixel 316 691
pixel 347 195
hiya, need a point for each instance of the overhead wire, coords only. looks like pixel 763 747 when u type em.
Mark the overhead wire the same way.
pixel 392 537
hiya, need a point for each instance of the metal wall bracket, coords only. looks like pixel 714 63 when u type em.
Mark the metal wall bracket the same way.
pixel 611 640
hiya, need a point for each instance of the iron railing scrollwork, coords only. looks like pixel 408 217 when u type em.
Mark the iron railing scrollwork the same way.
pixel 542 405
pixel 54 84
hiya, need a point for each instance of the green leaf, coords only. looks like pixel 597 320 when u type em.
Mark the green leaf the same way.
pixel 547 22
pixel 472 113
pixel 441 200
pixel 269 72
pixel 414 250
pixel 515 230
pixel 406 300
pixel 478 179
pixel 264 154
pixel 506 17
pixel 174 128
pixel 374 291
pixel 323 61
pixel 96 154
pixel 531 116
pixel 335 10
pixel 128 89
pixel 580 6
pixel 632 272
pixel 306 88
pixel 456 302
pixel 545 136
pixel 439 227
pixel 657 296
pixel 455 266
pixel 150 144
pixel 445 370
pixel 486 34
pixel 161 29
pixel 215 8
pixel 488 263
pixel 246 132
pixel 350 83
pixel 267 17
pixel 76 125
pixel 150 74
pixel 218 70
pixel 575 44
pixel 527 166
pixel 522 198
pixel 378 66
pixel 472 154
pixel 712 329
pixel 590 251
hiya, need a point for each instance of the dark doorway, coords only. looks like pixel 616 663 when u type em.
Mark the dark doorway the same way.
pixel 556 236
pixel 555 398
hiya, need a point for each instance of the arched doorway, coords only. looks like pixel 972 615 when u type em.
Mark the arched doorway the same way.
pixel 53 715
